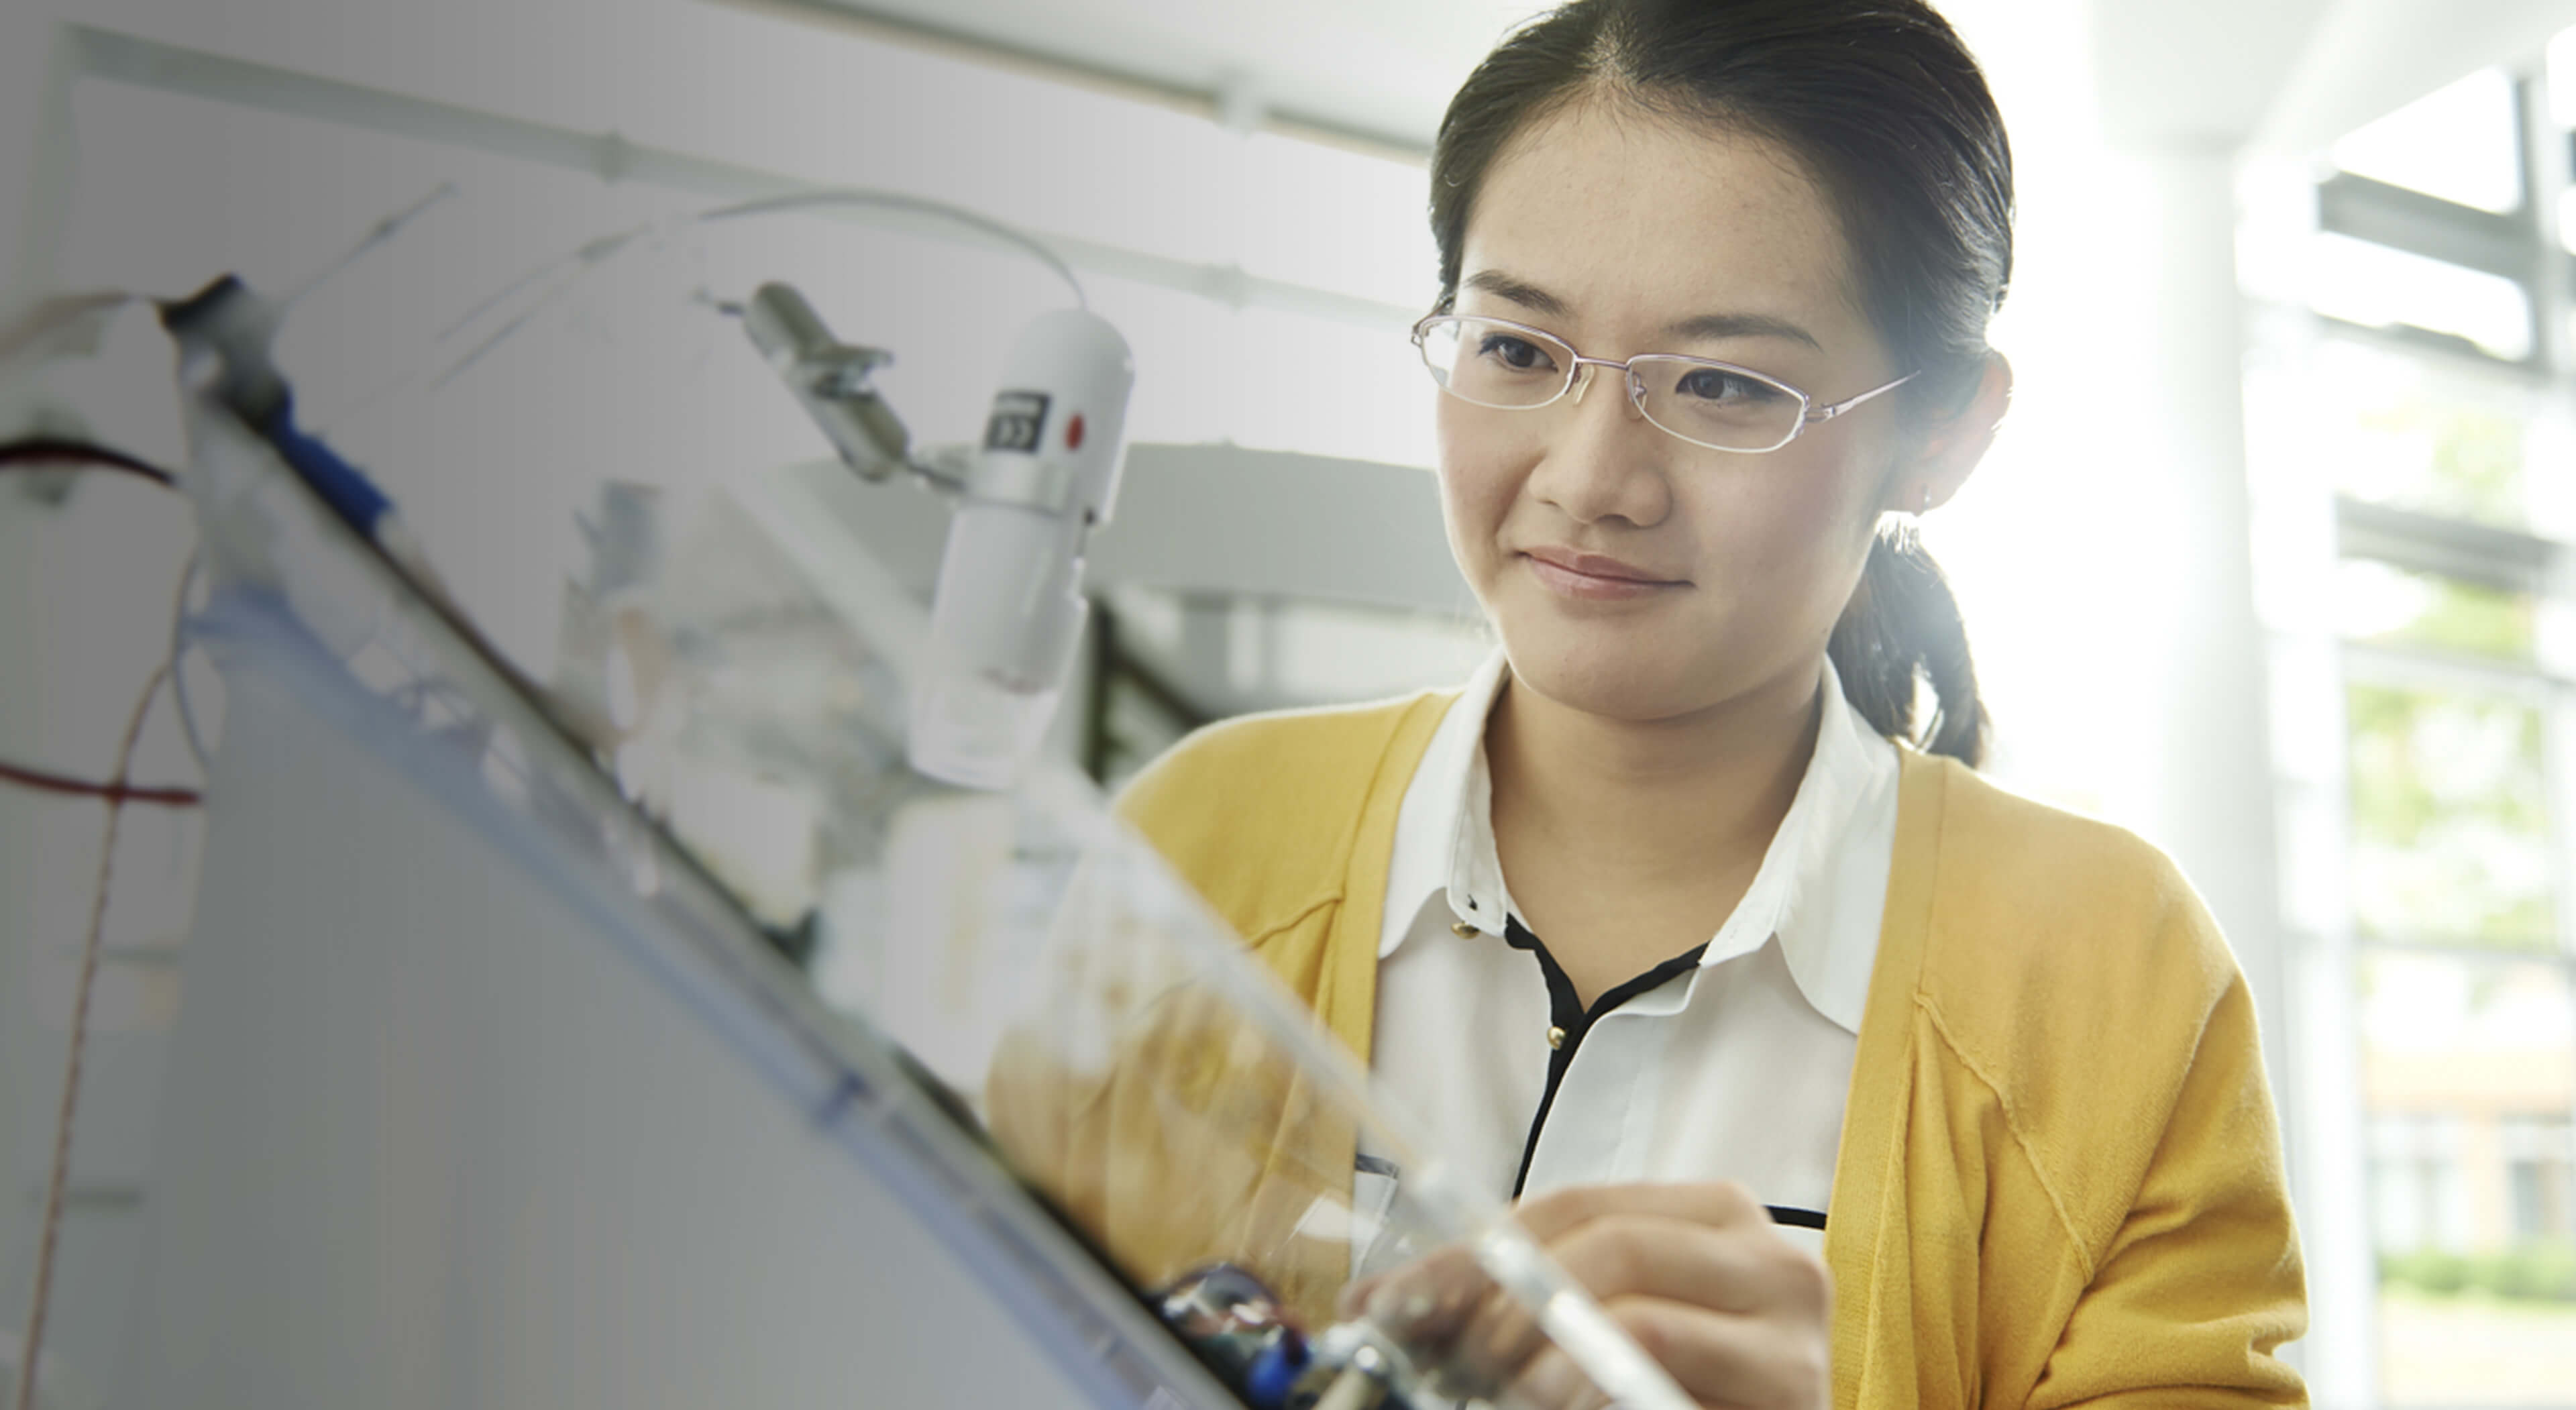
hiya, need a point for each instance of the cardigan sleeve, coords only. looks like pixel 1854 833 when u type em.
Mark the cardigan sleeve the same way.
pixel 2201 1282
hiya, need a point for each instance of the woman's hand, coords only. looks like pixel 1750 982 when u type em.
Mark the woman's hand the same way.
pixel 1697 1274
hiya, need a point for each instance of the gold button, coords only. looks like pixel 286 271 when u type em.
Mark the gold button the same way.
pixel 1556 1037
pixel 1462 929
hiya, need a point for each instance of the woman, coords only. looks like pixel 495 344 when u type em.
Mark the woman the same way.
pixel 1675 921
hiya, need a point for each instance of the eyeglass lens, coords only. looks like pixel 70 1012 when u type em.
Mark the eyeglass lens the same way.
pixel 1498 365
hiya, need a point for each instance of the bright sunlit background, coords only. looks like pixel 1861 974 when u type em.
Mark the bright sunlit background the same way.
pixel 2407 387
pixel 2271 562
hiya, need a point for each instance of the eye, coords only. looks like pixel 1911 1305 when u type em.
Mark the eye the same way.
pixel 1709 384
pixel 1518 354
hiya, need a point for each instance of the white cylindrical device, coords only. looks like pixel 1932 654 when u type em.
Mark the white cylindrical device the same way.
pixel 1009 606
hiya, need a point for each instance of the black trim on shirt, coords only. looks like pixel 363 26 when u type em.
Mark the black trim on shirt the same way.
pixel 1565 1010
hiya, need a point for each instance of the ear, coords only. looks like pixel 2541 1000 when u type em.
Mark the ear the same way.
pixel 1952 447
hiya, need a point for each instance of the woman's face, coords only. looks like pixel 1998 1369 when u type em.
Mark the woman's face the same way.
pixel 1621 234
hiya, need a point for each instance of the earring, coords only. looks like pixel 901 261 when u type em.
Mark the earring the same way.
pixel 1923 506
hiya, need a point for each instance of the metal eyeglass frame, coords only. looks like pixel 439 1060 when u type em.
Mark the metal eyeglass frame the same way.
pixel 1808 412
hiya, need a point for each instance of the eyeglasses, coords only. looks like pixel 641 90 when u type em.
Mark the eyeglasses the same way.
pixel 1719 405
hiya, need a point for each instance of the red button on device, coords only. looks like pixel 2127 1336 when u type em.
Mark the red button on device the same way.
pixel 1073 432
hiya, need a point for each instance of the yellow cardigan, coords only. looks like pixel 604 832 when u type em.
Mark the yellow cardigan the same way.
pixel 2060 1175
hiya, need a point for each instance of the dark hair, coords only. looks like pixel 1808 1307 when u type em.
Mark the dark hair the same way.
pixel 1887 108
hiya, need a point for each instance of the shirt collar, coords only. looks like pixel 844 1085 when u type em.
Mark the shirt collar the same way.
pixel 1821 888
pixel 1449 785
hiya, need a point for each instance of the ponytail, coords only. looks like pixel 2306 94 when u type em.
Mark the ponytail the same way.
pixel 1901 625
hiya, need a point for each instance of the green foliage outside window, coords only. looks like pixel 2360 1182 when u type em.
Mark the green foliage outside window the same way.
pixel 2391 606
pixel 2467 459
pixel 2450 837
pixel 2534 1273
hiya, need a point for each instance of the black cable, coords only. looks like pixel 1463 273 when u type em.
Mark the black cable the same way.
pixel 120 793
pixel 36 452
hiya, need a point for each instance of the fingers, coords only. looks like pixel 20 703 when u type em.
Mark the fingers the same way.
pixel 1734 1268
pixel 1718 1204
pixel 1697 1273
pixel 1717 1358
pixel 1436 1280
pixel 1744 1269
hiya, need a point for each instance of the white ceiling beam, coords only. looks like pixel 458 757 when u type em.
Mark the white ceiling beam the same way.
pixel 2369 58
pixel 2194 73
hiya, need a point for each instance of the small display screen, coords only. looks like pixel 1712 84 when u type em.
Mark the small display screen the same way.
pixel 1019 419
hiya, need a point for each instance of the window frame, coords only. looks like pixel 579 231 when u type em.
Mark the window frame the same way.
pixel 2312 660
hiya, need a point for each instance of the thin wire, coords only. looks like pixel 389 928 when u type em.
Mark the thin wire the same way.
pixel 893 200
pixel 119 791
pixel 569 265
pixel 32 1346
pixel 593 255
pixel 604 248
pixel 179 668
pixel 378 234
pixel 83 455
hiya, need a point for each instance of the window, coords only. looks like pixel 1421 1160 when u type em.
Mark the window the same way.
pixel 2379 287
pixel 2540 1153
pixel 2450 835
pixel 2456 145
pixel 2384 604
pixel 2408 397
pixel 2433 435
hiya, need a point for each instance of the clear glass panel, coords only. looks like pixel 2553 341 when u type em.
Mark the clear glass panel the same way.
pixel 2469 1074
pixel 2385 604
pixel 1083 1009
pixel 1131 1061
pixel 2379 287
pixel 1057 989
pixel 247 180
pixel 2399 430
pixel 1135 175
pixel 2450 835
pixel 2460 144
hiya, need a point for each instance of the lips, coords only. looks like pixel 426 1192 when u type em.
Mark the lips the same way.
pixel 1594 565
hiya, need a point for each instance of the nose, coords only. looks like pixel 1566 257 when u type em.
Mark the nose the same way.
pixel 1603 461
pixel 1633 382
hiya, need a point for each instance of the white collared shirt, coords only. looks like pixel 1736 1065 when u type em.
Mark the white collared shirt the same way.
pixel 1734 1069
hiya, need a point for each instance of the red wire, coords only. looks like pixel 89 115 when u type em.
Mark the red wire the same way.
pixel 47 450
pixel 31 1346
pixel 44 782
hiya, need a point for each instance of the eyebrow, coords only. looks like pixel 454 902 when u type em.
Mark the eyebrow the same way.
pixel 1527 295
pixel 1704 326
pixel 1740 325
